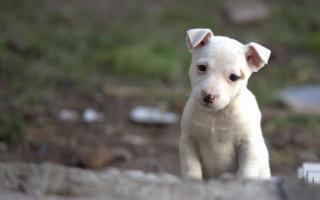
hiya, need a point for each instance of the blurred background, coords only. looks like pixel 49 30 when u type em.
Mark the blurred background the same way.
pixel 75 73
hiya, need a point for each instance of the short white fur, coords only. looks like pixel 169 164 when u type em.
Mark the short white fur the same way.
pixel 224 135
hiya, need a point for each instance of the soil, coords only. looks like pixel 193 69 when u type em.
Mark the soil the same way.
pixel 116 141
pixel 113 142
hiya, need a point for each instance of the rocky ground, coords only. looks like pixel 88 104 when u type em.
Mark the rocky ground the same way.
pixel 46 181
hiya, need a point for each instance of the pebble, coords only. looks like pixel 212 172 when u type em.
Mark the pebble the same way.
pixel 90 115
pixel 152 115
pixel 302 99
pixel 68 115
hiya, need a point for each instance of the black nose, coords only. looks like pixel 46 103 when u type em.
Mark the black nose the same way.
pixel 207 97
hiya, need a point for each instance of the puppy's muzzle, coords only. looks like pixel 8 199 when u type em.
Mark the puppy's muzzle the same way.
pixel 207 97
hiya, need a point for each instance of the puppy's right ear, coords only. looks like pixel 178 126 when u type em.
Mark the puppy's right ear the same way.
pixel 197 37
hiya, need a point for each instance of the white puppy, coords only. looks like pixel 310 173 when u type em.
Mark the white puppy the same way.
pixel 220 126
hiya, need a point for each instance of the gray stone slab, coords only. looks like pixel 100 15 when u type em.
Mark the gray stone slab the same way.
pixel 296 190
pixel 302 99
pixel 20 181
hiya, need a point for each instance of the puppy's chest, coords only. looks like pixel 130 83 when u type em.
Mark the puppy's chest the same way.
pixel 217 139
pixel 216 131
pixel 217 144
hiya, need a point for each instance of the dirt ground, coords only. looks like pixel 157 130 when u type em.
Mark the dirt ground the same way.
pixel 115 141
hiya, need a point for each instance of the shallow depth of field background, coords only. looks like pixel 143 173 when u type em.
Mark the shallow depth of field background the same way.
pixel 79 54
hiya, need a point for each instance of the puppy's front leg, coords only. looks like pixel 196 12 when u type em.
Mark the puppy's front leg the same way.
pixel 253 159
pixel 189 159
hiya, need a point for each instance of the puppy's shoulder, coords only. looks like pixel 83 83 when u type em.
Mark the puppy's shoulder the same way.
pixel 248 96
pixel 247 105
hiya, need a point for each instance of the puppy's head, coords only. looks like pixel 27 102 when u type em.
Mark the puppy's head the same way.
pixel 220 67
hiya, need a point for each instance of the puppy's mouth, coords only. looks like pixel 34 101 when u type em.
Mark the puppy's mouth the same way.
pixel 206 106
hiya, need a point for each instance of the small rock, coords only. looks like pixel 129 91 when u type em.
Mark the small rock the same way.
pixel 246 11
pixel 3 147
pixel 68 115
pixel 303 99
pixel 121 153
pixel 90 115
pixel 152 115
pixel 96 157
pixel 42 149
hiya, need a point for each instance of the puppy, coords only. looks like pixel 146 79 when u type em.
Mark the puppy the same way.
pixel 220 126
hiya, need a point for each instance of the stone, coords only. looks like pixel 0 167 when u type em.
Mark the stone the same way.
pixel 21 181
pixel 152 115
pixel 90 115
pixel 297 190
pixel 95 157
pixel 68 115
pixel 302 99
pixel 121 154
pixel 3 146
pixel 246 11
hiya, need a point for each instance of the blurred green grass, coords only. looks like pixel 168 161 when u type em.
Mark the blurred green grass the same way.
pixel 11 128
pixel 43 49
pixel 151 47
pixel 297 26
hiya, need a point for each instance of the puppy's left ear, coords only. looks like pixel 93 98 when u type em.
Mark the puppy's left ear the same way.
pixel 256 55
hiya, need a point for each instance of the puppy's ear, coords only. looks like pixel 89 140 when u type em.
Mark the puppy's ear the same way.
pixel 257 56
pixel 197 37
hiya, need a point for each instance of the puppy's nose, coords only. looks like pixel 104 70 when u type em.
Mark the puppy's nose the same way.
pixel 207 97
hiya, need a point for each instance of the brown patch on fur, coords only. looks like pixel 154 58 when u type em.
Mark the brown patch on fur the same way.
pixel 242 75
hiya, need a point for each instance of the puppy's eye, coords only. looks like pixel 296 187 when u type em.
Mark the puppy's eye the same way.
pixel 202 68
pixel 234 77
